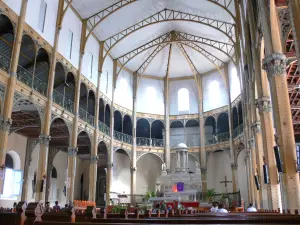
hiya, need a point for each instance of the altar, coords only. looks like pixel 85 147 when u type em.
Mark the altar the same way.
pixel 179 183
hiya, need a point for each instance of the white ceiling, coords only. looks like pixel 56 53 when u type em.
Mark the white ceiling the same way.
pixel 140 10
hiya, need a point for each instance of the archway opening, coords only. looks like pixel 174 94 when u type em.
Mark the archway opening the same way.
pixel 84 145
pixel 91 108
pixel 6 42
pixel 143 132
pixel 41 72
pixel 223 127
pixel 210 130
pixel 240 111
pixel 235 118
pixel 69 92
pixel 127 129
pixel 60 136
pixel 118 126
pixel 59 84
pixel 83 102
pixel 101 110
pixel 121 172
pixel 176 133
pixel 107 115
pixel 157 128
pixel 192 133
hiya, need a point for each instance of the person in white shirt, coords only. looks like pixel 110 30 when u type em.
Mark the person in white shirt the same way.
pixel 214 207
pixel 222 209
pixel 251 208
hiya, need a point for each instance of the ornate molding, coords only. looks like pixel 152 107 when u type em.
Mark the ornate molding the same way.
pixel 234 166
pixel 251 143
pixel 256 128
pixel 94 159
pixel 275 65
pixel 5 123
pixel 263 104
pixel 72 151
pixel 285 23
pixel 44 139
pixel 203 170
pixel 133 170
pixel 110 165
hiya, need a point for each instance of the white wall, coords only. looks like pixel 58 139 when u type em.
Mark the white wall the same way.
pixel 73 23
pixel 174 87
pixel 218 166
pixel 148 171
pixel 107 77
pixel 92 47
pixel 15 5
pixel 147 102
pixel 16 143
pixel 32 18
pixel 82 167
pixel 214 92
pixel 121 173
pixel 124 92
pixel 235 89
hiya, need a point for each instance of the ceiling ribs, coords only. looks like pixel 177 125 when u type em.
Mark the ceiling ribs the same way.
pixel 170 15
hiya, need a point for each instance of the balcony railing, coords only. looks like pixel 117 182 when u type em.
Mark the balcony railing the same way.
pixel 219 138
pixel 58 98
pixel 103 128
pixel 157 142
pixel 122 137
pixel 127 138
pixel 4 62
pixel 24 76
pixel 238 131
pixel 82 114
pixel 141 141
pixel 69 105
pixel 40 86
pixel 91 119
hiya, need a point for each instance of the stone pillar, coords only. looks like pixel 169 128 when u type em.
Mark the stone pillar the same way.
pixel 42 167
pixel 133 152
pixel 248 178
pixel 204 181
pixel 5 120
pixel 252 182
pixel 71 171
pixel 294 11
pixel 93 177
pixel 167 125
pixel 234 167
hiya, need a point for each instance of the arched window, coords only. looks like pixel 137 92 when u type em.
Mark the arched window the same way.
pixel 214 94
pixel 183 101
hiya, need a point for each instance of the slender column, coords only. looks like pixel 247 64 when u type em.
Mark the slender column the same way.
pixel 133 152
pixel 71 171
pixel 248 177
pixel 5 120
pixel 42 167
pixel 204 181
pixel 234 167
pixel 29 148
pixel 252 182
pixel 167 125
pixel 93 177
pixel 294 11
pixel 275 66
pixel 111 131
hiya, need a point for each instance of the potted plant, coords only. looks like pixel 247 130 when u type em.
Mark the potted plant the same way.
pixel 210 194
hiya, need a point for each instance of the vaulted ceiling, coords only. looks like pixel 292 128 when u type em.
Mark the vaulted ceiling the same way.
pixel 212 20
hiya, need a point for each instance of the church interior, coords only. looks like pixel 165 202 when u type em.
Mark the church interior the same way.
pixel 114 103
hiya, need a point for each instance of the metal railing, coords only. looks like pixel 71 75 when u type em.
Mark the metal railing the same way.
pixel 82 114
pixel 4 62
pixel 91 119
pixel 103 128
pixel 122 137
pixel 127 138
pixel 58 98
pixel 40 86
pixel 118 135
pixel 157 142
pixel 24 76
pixel 142 141
pixel 69 105
pixel 238 131
pixel 219 138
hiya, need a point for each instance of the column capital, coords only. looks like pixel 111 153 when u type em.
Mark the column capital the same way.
pixel 234 166
pixel 251 143
pixel 275 65
pixel 133 170
pixel 5 123
pixel 72 151
pixel 110 165
pixel 44 139
pixel 94 159
pixel 256 128
pixel 203 170
pixel 263 104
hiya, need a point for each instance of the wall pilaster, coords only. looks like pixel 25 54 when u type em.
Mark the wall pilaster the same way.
pixel 93 177
pixel 72 153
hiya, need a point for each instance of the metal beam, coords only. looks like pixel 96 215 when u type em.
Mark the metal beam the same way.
pixel 170 15
pixel 169 62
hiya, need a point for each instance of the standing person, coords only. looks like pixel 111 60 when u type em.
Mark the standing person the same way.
pixel 214 207
pixel 56 208
pixel 222 209
pixel 251 208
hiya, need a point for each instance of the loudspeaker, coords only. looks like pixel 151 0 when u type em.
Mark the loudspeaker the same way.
pixel 257 182
pixel 266 174
pixel 278 161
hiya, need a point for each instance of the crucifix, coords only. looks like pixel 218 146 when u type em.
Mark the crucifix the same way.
pixel 225 182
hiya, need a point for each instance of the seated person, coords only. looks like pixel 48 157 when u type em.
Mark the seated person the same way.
pixel 163 206
pixel 222 209
pixel 47 207
pixel 251 208
pixel 169 208
pixel 214 207
pixel 56 208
